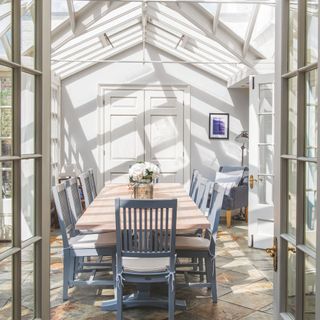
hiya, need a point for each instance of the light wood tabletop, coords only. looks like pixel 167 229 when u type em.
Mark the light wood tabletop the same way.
pixel 100 215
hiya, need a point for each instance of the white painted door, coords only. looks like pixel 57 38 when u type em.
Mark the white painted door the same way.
pixel 261 154
pixel 124 129
pixel 144 125
pixel 164 132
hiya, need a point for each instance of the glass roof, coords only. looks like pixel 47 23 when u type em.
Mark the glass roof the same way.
pixel 219 38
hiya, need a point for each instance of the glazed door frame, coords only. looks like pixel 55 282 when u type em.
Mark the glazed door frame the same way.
pixel 294 163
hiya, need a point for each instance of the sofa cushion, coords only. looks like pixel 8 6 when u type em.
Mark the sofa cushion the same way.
pixel 152 264
pixel 228 180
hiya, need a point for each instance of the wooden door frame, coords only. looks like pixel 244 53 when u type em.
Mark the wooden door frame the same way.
pixel 101 139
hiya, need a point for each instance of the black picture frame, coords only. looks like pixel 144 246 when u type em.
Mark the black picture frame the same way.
pixel 219 124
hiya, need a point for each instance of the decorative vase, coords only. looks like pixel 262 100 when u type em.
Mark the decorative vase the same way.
pixel 143 191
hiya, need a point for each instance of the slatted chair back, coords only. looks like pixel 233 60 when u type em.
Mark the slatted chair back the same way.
pixel 215 207
pixel 92 183
pixel 64 215
pixel 194 184
pixel 73 196
pixel 86 188
pixel 204 205
pixel 202 184
pixel 146 228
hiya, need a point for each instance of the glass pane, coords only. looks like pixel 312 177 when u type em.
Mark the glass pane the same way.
pixel 27 113
pixel 291 281
pixel 5 29
pixel 309 288
pixel 293 36
pixel 6 206
pixel 59 12
pixel 266 159
pixel 28 33
pixel 6 289
pixel 266 97
pixel 265 189
pixel 312 31
pixel 292 197
pixel 310 204
pixel 27 282
pixel 5 111
pixel 311 113
pixel 266 126
pixel 292 116
pixel 27 199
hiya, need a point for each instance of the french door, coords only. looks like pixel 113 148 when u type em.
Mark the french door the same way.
pixel 261 158
pixel 145 124
pixel 24 159
pixel 297 174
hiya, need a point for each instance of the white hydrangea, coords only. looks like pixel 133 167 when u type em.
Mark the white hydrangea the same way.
pixel 142 170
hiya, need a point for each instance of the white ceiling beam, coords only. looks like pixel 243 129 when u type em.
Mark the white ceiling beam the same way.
pixel 95 49
pixel 269 2
pixel 173 24
pixel 192 52
pixel 180 55
pixel 144 29
pixel 72 15
pixel 249 32
pixel 107 55
pixel 117 25
pixel 86 17
pixel 216 18
pixel 223 35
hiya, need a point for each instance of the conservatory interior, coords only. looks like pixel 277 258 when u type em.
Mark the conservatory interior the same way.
pixel 190 124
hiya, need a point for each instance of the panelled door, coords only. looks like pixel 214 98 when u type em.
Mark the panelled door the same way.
pixel 124 125
pixel 144 125
pixel 164 132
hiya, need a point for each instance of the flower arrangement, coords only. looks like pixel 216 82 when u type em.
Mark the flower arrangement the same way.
pixel 143 172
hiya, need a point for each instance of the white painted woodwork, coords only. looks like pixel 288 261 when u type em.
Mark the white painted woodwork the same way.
pixel 124 123
pixel 144 125
pixel 261 154
pixel 164 132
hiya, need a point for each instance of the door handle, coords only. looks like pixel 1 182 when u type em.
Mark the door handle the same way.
pixel 273 253
pixel 252 180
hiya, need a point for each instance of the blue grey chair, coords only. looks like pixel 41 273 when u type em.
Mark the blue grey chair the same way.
pixel 92 183
pixel 238 196
pixel 86 188
pixel 72 190
pixel 146 233
pixel 76 247
pixel 203 248
pixel 194 184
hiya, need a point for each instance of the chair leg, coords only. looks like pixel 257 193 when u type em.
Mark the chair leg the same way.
pixel 211 277
pixel 171 298
pixel 66 274
pixel 119 292
pixel 246 214
pixel 228 217
pixel 201 269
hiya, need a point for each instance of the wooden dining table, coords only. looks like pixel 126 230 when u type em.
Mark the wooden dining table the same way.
pixel 100 216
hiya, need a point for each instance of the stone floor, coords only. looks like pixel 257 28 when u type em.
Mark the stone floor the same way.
pixel 244 287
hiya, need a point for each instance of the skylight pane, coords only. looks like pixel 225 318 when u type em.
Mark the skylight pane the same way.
pixel 59 12
pixel 236 17
pixel 210 7
pixel 79 4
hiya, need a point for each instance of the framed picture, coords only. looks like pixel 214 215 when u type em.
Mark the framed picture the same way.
pixel 219 126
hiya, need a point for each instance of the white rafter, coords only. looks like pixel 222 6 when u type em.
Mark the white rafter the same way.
pixel 223 35
pixel 251 25
pixel 216 18
pixel 86 17
pixel 72 15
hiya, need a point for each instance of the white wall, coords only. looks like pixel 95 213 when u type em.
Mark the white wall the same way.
pixel 208 94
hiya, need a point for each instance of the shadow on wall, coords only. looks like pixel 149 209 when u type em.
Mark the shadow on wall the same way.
pixel 208 94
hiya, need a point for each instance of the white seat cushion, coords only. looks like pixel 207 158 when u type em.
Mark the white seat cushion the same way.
pixel 192 243
pixel 93 240
pixel 132 264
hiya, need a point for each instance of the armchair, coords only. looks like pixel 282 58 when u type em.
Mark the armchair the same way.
pixel 237 198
